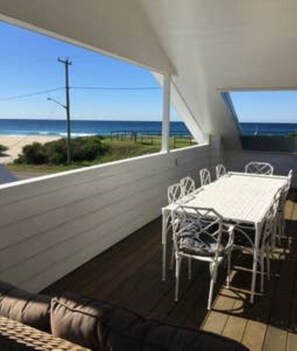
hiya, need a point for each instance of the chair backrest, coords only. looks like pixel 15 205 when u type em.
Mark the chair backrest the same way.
pixel 197 231
pixel 259 168
pixel 204 226
pixel 271 218
pixel 174 193
pixel 220 170
pixel 284 192
pixel 289 181
pixel 187 185
pixel 204 176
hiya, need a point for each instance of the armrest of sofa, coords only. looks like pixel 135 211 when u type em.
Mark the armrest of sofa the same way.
pixel 24 307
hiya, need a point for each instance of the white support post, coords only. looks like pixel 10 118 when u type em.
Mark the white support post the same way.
pixel 166 113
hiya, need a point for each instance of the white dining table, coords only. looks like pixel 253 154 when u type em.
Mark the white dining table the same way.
pixel 237 197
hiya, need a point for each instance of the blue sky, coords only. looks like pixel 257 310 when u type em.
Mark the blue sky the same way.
pixel 266 106
pixel 29 64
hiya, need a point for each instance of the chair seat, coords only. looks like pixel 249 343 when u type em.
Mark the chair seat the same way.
pixel 192 245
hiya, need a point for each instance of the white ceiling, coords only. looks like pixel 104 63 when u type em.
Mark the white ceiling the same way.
pixel 226 44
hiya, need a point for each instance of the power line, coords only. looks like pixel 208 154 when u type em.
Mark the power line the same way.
pixel 116 88
pixel 30 94
pixel 79 88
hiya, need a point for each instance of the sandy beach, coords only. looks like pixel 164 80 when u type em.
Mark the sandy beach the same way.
pixel 15 143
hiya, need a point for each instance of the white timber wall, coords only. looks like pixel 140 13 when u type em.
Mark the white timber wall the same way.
pixel 51 225
pixel 282 162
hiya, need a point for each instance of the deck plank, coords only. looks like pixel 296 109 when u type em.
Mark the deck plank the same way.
pixel 291 342
pixel 254 335
pixel 275 339
pixel 237 321
pixel 294 214
pixel 289 209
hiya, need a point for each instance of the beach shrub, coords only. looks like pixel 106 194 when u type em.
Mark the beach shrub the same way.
pixel 33 154
pixel 55 152
pixel 88 148
pixel 3 149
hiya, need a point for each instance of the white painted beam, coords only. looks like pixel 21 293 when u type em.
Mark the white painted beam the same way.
pixel 166 113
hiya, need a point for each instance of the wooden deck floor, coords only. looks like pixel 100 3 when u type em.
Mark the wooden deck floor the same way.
pixel 129 274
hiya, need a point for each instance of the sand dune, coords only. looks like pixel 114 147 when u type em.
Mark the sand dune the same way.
pixel 15 144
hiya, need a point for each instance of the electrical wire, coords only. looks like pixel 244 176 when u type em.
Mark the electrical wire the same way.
pixel 117 88
pixel 31 94
pixel 79 88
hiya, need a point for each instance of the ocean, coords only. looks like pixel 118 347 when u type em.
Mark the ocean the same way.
pixel 83 128
pixel 268 128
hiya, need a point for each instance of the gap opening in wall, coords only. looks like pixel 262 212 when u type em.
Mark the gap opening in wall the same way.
pixel 267 119
pixel 114 110
pixel 272 112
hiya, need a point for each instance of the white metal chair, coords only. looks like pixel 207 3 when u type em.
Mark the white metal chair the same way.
pixel 204 176
pixel 269 229
pixel 281 223
pixel 198 234
pixel 220 170
pixel 245 238
pixel 174 193
pixel 187 185
pixel 259 168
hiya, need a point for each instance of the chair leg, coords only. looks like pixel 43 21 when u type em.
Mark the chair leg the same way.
pixel 278 229
pixel 189 268
pixel 268 262
pixel 213 273
pixel 262 270
pixel 172 256
pixel 177 274
pixel 228 268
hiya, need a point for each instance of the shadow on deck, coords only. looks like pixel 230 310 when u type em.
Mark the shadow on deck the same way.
pixel 129 274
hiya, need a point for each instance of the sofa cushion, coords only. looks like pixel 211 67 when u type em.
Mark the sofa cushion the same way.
pixel 24 307
pixel 103 326
pixel 80 320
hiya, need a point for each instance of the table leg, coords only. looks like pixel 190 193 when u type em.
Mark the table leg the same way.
pixel 165 218
pixel 255 261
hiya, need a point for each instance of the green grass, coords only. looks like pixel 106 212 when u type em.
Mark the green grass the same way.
pixel 118 150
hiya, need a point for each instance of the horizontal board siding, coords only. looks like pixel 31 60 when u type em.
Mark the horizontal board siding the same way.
pixel 52 225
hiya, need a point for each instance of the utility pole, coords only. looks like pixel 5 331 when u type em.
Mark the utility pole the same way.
pixel 67 63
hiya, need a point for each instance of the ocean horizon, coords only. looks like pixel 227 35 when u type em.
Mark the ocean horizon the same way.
pixel 42 127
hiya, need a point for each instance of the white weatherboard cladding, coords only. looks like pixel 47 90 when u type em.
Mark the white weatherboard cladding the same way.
pixel 52 225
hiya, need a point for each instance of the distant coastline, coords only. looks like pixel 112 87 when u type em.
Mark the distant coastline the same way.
pixel 57 128
pixel 268 128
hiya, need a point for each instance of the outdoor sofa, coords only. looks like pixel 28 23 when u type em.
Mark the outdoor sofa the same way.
pixel 100 325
